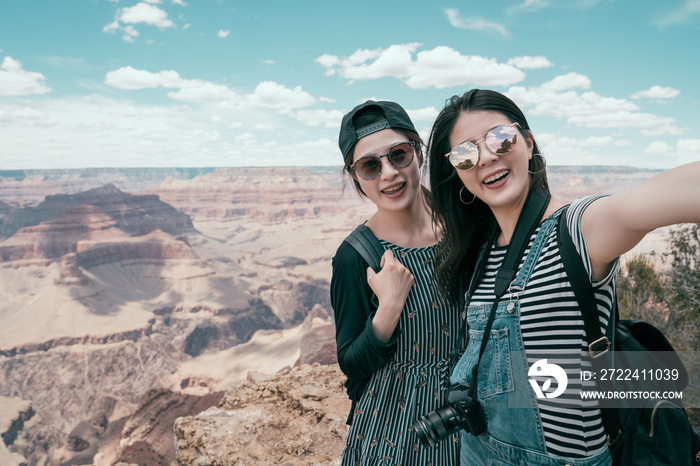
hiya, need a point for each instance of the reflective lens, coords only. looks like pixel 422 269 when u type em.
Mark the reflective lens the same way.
pixel 499 140
pixel 399 155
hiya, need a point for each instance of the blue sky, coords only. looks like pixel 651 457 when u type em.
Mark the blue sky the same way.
pixel 218 83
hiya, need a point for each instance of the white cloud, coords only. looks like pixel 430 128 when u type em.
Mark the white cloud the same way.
pixel 131 79
pixel 197 90
pixel 560 98
pixel 223 34
pixel 534 4
pixel 129 33
pixel 327 100
pixel 423 114
pixel 111 27
pixel 325 118
pixel 689 146
pixel 202 135
pixel 665 130
pixel 145 13
pixel 98 131
pixel 678 16
pixel 263 127
pixel 685 151
pixel 269 94
pixel 15 81
pixel 245 138
pixel 328 62
pixel 178 2
pixel 269 62
pixel 530 63
pixel 475 23
pixel 141 13
pixel 658 148
pixel 657 92
pixel 441 67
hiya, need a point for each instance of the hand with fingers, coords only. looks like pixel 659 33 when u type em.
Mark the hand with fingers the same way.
pixel 391 285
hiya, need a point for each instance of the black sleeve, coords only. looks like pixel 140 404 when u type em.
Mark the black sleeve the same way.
pixel 360 353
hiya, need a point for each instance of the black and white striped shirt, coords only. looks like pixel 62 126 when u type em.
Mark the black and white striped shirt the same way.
pixel 552 329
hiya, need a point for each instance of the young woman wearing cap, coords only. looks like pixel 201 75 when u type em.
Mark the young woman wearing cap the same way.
pixel 484 165
pixel 391 352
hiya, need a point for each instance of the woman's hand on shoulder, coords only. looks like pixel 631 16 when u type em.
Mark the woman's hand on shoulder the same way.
pixel 391 285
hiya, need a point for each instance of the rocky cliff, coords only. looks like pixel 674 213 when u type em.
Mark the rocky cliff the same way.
pixel 294 417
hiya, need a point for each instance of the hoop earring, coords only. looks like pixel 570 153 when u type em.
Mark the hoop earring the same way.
pixel 462 200
pixel 544 165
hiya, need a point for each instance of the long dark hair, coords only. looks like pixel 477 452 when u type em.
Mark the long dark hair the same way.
pixel 465 226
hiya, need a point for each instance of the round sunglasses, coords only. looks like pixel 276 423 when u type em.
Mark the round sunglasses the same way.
pixel 499 140
pixel 400 155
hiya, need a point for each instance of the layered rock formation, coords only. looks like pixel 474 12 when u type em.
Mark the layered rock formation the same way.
pixel 76 216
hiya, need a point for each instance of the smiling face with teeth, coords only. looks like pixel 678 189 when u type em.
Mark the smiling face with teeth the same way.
pixel 395 188
pixel 500 181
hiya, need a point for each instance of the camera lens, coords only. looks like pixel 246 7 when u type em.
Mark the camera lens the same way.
pixel 437 425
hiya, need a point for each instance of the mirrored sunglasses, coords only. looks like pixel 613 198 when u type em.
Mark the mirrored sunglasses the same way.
pixel 400 155
pixel 499 140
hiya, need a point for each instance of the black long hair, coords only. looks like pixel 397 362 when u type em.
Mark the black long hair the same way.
pixel 465 226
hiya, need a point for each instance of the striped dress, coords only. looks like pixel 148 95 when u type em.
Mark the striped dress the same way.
pixel 408 387
pixel 552 328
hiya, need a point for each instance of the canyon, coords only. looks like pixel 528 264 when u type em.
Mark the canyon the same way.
pixel 149 312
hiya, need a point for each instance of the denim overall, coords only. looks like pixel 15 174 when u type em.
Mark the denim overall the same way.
pixel 514 435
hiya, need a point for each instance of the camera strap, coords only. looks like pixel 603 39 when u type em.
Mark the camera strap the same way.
pixel 533 210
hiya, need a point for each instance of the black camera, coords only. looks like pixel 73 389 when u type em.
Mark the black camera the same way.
pixel 460 412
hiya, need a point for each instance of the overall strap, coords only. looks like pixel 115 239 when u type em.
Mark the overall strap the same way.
pixel 533 210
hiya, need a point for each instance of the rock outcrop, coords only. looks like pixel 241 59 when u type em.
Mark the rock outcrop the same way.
pixel 295 417
pixel 14 412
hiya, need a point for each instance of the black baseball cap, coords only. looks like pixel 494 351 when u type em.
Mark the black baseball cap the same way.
pixel 396 117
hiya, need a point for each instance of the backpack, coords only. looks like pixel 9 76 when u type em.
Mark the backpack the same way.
pixel 646 432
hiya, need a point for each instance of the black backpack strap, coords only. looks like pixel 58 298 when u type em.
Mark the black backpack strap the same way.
pixel 367 245
pixel 599 344
pixel 581 286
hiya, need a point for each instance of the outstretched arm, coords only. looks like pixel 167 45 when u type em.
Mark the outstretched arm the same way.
pixel 615 224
